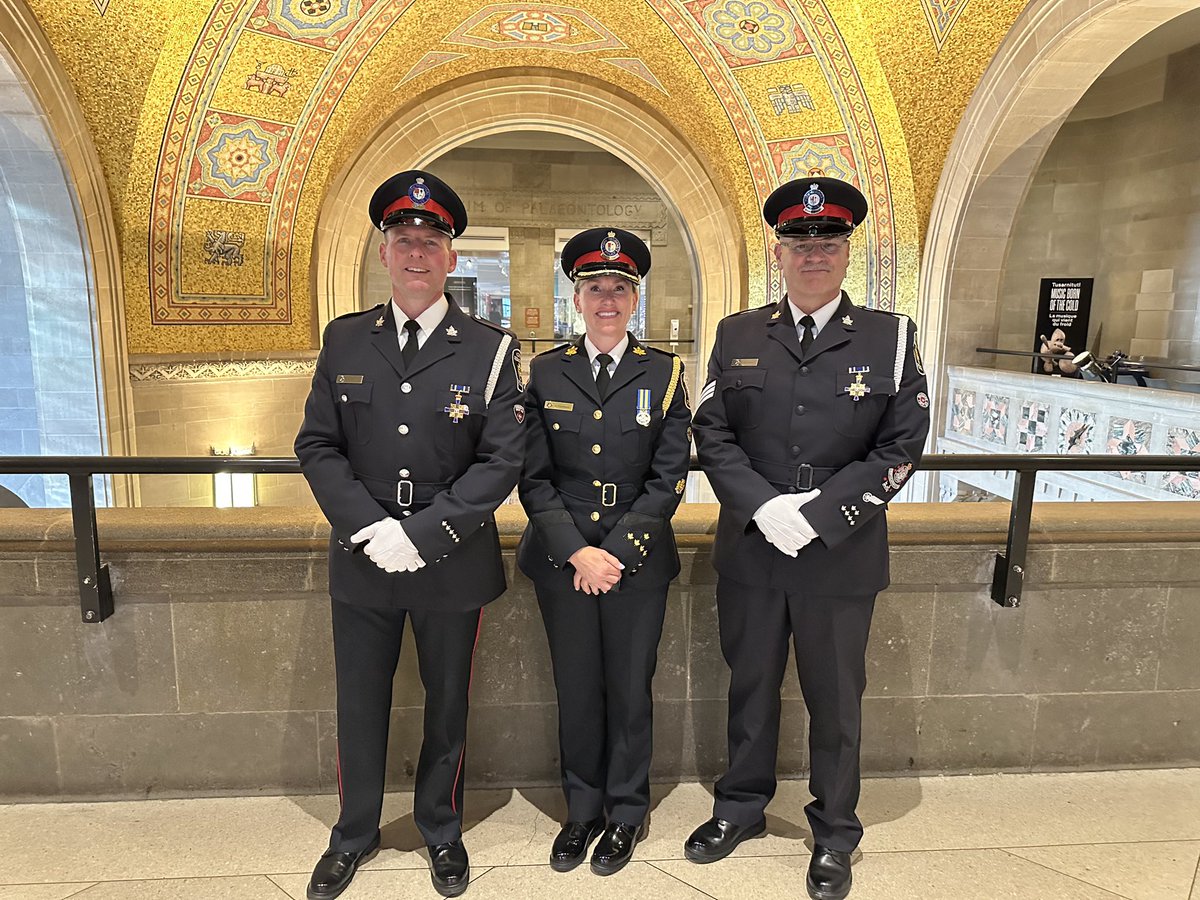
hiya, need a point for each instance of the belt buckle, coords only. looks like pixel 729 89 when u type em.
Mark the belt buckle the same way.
pixel 804 477
pixel 404 492
pixel 608 494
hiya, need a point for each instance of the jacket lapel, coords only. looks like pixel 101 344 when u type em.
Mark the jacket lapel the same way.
pixel 781 327
pixel 578 368
pixel 632 365
pixel 442 342
pixel 384 340
pixel 836 332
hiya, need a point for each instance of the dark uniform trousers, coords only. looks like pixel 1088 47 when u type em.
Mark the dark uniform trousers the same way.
pixel 850 417
pixel 437 444
pixel 597 476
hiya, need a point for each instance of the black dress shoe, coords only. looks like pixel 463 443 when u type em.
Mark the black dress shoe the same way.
pixel 716 838
pixel 615 847
pixel 572 844
pixel 449 868
pixel 334 870
pixel 828 874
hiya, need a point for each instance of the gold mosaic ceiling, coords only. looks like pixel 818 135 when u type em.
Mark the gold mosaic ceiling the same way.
pixel 221 126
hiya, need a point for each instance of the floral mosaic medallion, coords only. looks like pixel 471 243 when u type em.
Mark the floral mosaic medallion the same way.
pixel 237 158
pixel 1032 426
pixel 754 29
pixel 827 155
pixel 1183 442
pixel 1129 437
pixel 994 423
pixel 962 419
pixel 1076 430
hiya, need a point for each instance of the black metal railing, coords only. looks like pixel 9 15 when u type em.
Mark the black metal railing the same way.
pixel 95 588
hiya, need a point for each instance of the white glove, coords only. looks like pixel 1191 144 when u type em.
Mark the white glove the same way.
pixel 799 500
pixel 780 522
pixel 388 546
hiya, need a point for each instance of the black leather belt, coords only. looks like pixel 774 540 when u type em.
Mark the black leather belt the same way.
pixel 803 477
pixel 606 493
pixel 402 491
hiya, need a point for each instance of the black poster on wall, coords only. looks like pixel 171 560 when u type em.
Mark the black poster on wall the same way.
pixel 1064 306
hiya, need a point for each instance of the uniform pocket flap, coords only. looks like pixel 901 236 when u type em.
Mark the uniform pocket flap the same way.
pixel 562 421
pixel 742 378
pixel 353 393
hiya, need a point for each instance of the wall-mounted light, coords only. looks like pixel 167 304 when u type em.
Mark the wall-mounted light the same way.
pixel 234 488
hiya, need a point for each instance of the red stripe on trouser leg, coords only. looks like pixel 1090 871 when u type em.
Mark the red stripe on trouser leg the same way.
pixel 341 798
pixel 463 751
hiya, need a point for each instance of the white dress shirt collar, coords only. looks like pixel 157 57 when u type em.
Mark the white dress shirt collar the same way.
pixel 426 321
pixel 821 316
pixel 616 352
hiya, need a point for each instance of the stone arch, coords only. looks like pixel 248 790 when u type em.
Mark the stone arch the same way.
pixel 48 86
pixel 524 101
pixel 1054 52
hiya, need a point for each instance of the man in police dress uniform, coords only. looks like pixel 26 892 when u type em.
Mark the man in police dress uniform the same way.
pixel 412 437
pixel 607 457
pixel 813 416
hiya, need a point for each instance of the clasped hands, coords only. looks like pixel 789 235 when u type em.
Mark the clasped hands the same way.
pixel 388 546
pixel 596 571
pixel 782 523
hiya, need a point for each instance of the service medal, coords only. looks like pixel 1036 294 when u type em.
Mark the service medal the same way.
pixel 643 407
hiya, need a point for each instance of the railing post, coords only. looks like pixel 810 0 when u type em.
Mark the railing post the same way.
pixel 1008 579
pixel 95 589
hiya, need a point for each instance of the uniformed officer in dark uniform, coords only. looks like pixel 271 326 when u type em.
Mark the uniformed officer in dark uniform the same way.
pixel 412 437
pixel 813 416
pixel 607 456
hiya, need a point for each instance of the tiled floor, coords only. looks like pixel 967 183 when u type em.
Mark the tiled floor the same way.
pixel 1081 836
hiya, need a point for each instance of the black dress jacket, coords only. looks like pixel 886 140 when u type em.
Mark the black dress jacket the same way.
pixel 438 445
pixel 606 473
pixel 849 417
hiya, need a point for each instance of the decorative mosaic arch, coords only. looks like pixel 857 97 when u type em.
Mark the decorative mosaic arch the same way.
pixel 226 247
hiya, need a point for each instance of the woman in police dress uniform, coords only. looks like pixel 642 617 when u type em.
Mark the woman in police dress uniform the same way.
pixel 607 425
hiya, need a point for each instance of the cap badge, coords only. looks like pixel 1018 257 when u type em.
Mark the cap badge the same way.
pixel 610 247
pixel 418 193
pixel 814 200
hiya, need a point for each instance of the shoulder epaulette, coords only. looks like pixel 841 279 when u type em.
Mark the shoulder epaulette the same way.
pixel 360 312
pixel 660 350
pixel 493 325
pixel 552 350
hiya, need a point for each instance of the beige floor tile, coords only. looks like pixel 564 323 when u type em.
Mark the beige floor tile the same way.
pixel 1147 871
pixel 637 880
pixel 934 875
pixel 399 884
pixel 989 811
pixel 57 842
pixel 41 891
pixel 256 888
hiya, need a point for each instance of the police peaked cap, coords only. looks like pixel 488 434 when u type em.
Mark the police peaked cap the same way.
pixel 606 251
pixel 815 207
pixel 418 198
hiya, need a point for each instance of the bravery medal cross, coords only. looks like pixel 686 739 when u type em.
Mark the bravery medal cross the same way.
pixel 858 389
pixel 457 410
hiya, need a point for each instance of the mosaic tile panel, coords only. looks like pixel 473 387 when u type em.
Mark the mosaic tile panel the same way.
pixel 1183 442
pixel 1129 437
pixel 962 417
pixel 1076 431
pixel 1032 426
pixel 994 421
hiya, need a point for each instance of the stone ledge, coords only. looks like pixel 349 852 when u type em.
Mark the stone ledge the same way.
pixel 304 528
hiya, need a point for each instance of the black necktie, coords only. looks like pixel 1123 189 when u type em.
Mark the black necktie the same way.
pixel 806 339
pixel 409 351
pixel 602 376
